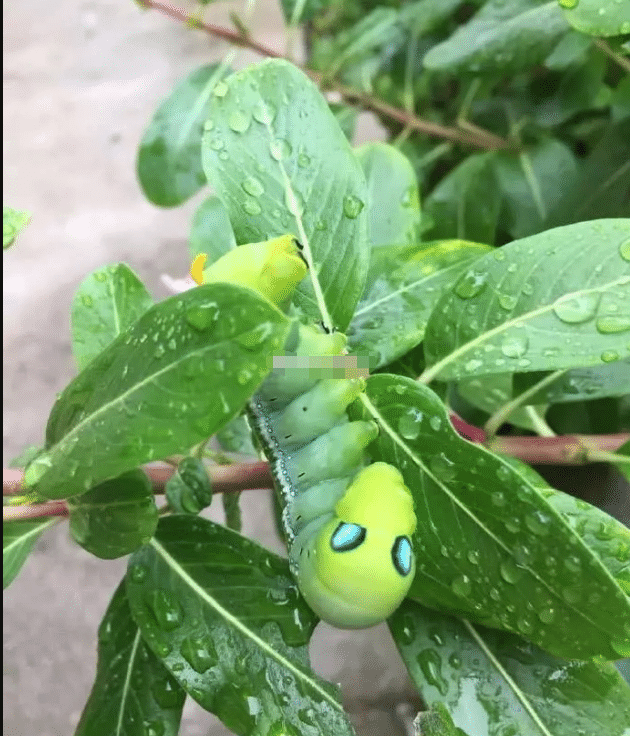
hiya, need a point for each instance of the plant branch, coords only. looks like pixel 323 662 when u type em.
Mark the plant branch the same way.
pixel 575 449
pixel 479 138
pixel 621 60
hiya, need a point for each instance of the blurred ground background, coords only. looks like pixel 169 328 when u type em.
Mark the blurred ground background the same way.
pixel 81 80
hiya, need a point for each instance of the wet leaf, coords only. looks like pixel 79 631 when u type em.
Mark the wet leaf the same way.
pixel 493 682
pixel 133 693
pixel 280 163
pixel 115 517
pixel 169 157
pixel 503 37
pixel 188 490
pixel 211 232
pixel 107 302
pixel 178 374
pixel 393 197
pixel 532 305
pixel 225 618
pixel 597 17
pixel 404 284
pixel 494 542
pixel 18 539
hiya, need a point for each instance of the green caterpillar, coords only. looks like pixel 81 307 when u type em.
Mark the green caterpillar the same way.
pixel 348 525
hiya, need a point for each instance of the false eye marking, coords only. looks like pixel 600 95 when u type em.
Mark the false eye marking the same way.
pixel 401 555
pixel 347 536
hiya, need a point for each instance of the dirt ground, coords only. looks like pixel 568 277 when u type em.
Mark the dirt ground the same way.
pixel 81 80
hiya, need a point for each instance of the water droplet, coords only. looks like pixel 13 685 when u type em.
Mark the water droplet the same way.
pixel 568 4
pixel 612 324
pixel 431 665
pixel 280 149
pixel 253 186
pixel 547 614
pixel 473 365
pixel 510 572
pixel 252 207
pixel 303 160
pixel 167 693
pixel 470 284
pixel 537 523
pixel 153 728
pixel 524 623
pixel 138 573
pixel 609 356
pixel 577 309
pixel 199 653
pixel 239 121
pixel 624 250
pixel 435 423
pixel 202 316
pixel 208 125
pixel 352 206
pixel 159 351
pixel 461 586
pixel 100 276
pixel 443 467
pixel 473 556
pixel 220 89
pixel 86 300
pixel 498 499
pixel 455 661
pixel 320 225
pixel 264 112
pixel 507 301
pixel 409 426
pixel 514 346
pixel 166 608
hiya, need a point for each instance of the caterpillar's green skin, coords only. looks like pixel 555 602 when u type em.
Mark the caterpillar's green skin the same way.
pixel 349 525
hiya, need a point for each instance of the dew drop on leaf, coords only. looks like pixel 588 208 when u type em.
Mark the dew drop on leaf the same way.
pixel 352 206
pixel 86 300
pixel 220 89
pixel 510 572
pixel 443 467
pixel 472 365
pixel 624 250
pixel 264 112
pixel 303 160
pixel 471 284
pixel 199 653
pixel 253 186
pixel 577 309
pixel 609 356
pixel 239 121
pixel 166 609
pixel 408 426
pixel 280 149
pixel 612 324
pixel 507 301
pixel 514 346
pixel 138 573
pixel 430 663
pixel 202 316
pixel 252 207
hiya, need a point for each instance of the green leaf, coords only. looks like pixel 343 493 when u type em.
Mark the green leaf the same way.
pixel 232 510
pixel 346 116
pixel 115 517
pixel 169 157
pixel 188 491
pixel 598 17
pixel 18 539
pixel 580 384
pixel 180 372
pixel 489 393
pixel 106 303
pixel 602 188
pixel 404 283
pixel 503 37
pixel 394 201
pixel 236 436
pixel 211 232
pixel 133 693
pixel 493 682
pixel 466 203
pixel 532 183
pixel 301 11
pixel 436 721
pixel 363 40
pixel 624 465
pixel 279 161
pixel 13 221
pixel 28 454
pixel 532 305
pixel 225 618
pixel 492 542
pixel 571 49
pixel 620 100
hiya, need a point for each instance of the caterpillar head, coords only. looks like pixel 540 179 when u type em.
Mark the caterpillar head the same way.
pixel 355 571
pixel 274 267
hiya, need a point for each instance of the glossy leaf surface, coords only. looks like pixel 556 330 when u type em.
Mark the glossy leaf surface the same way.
pixel 18 539
pixel 225 618
pixel 280 163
